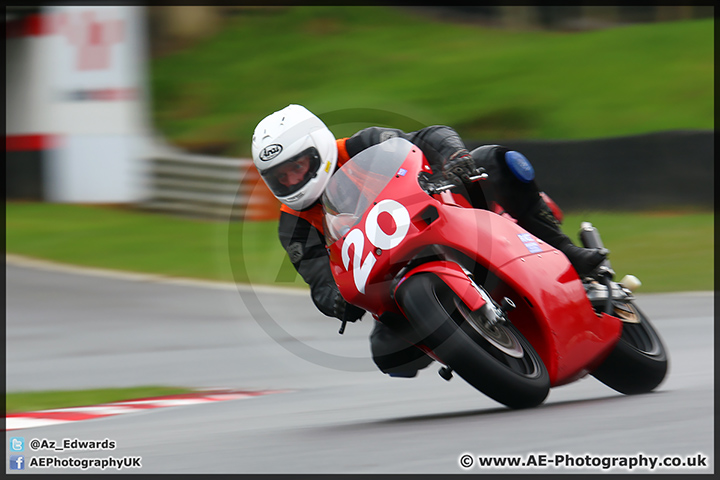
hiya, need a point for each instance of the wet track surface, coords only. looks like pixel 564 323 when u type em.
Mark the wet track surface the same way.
pixel 338 414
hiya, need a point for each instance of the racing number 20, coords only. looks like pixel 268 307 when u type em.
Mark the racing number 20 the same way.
pixel 377 237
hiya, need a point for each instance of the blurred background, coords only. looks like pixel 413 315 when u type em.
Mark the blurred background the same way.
pixel 151 109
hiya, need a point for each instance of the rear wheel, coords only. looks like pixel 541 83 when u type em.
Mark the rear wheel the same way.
pixel 494 358
pixel 638 363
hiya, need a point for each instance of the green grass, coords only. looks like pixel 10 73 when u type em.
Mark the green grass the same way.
pixel 137 241
pixel 20 402
pixel 361 65
pixel 667 251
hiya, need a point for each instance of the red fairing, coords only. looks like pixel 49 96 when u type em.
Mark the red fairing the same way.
pixel 455 277
pixel 558 321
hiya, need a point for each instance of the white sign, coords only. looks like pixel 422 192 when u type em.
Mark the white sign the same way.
pixel 97 102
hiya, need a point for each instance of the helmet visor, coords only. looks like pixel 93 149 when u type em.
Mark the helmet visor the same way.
pixel 293 174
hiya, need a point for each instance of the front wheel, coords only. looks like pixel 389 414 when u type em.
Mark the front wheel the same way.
pixel 639 362
pixel 495 359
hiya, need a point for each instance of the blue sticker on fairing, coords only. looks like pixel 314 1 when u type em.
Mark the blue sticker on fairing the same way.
pixel 520 166
pixel 529 242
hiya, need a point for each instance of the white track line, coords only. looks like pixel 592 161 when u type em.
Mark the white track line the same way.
pixel 22 261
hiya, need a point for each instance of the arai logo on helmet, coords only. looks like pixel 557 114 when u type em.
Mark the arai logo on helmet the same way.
pixel 270 152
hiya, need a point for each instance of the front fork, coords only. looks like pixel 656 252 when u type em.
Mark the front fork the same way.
pixel 491 313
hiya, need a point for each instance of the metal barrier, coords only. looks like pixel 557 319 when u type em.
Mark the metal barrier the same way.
pixel 207 187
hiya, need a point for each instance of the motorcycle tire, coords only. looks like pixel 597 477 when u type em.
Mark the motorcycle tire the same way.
pixel 639 362
pixel 500 363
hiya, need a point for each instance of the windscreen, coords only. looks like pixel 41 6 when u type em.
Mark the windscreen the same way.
pixel 354 187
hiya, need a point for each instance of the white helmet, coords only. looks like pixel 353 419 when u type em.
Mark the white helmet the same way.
pixel 295 154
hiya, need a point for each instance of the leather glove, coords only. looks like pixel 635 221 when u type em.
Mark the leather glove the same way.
pixel 347 312
pixel 460 165
pixel 352 313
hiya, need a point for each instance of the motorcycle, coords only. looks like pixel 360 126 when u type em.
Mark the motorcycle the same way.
pixel 476 292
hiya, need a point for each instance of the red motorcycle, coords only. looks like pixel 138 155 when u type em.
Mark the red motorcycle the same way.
pixel 503 309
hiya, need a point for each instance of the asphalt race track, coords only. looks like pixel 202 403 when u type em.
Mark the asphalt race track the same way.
pixel 337 413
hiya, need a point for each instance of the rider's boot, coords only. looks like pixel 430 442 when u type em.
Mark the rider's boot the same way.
pixel 541 222
pixel 393 355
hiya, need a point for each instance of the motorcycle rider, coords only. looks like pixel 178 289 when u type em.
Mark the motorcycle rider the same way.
pixel 296 154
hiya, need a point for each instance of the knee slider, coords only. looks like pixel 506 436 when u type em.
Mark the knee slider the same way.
pixel 519 166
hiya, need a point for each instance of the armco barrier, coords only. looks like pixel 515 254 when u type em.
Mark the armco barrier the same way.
pixel 208 187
